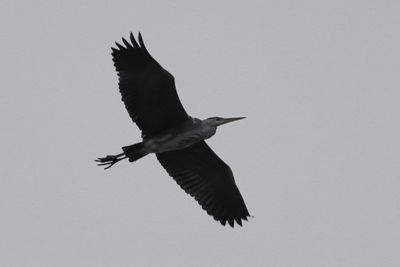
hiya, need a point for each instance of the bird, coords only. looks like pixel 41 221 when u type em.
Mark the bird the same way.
pixel 177 139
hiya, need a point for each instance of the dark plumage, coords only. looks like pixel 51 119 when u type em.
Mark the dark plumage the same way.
pixel 204 176
pixel 149 94
pixel 147 89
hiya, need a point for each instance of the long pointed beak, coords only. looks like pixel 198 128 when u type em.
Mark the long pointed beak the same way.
pixel 231 119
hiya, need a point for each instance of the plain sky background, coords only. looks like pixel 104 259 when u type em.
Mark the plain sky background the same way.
pixel 317 159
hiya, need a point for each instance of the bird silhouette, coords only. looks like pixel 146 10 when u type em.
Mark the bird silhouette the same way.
pixel 149 94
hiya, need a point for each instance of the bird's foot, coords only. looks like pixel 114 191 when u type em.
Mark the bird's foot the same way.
pixel 110 160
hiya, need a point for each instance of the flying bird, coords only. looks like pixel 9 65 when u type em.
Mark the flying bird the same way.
pixel 149 94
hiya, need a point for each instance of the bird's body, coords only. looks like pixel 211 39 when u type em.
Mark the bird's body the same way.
pixel 149 94
pixel 187 133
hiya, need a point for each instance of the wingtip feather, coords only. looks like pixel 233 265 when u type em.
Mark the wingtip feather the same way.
pixel 133 40
pixel 127 44
pixel 141 41
pixel 119 46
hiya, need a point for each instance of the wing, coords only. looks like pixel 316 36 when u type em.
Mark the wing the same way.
pixel 203 175
pixel 148 91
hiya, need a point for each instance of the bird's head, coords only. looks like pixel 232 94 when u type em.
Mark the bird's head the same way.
pixel 217 121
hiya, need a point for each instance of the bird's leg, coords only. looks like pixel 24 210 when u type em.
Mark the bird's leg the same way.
pixel 110 160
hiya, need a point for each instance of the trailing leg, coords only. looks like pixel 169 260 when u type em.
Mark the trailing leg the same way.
pixel 110 160
pixel 132 152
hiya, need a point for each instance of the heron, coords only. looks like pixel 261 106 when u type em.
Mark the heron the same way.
pixel 177 139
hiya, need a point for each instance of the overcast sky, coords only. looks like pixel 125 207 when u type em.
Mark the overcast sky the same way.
pixel 317 159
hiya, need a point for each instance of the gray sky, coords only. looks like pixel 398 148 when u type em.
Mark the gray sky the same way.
pixel 316 160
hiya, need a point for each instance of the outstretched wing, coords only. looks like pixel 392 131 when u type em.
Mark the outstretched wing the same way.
pixel 148 91
pixel 203 175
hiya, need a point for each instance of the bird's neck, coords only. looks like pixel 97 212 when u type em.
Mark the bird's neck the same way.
pixel 208 129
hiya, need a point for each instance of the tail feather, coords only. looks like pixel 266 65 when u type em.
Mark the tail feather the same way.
pixel 135 151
